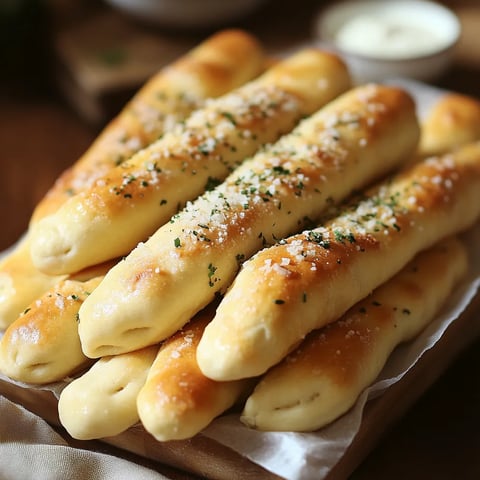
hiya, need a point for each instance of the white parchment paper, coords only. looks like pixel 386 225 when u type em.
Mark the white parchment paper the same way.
pixel 311 456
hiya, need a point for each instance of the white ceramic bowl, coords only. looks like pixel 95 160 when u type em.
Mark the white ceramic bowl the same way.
pixel 187 13
pixel 390 38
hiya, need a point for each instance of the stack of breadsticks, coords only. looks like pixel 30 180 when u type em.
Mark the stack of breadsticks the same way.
pixel 245 232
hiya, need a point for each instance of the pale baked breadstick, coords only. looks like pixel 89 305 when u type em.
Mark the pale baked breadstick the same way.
pixel 323 378
pixel 188 261
pixel 42 344
pixel 453 121
pixel 102 402
pixel 20 282
pixel 177 400
pixel 222 62
pixel 134 199
pixel 312 278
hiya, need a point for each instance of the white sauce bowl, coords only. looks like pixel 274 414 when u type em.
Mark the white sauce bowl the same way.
pixel 390 38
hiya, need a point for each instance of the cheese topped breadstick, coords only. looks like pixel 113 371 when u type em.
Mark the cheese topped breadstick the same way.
pixel 222 62
pixel 188 261
pixel 323 378
pixel 42 344
pixel 133 200
pixel 310 279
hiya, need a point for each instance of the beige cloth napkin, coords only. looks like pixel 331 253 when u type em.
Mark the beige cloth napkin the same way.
pixel 31 449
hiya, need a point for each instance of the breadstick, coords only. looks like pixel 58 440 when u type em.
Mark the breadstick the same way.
pixel 335 364
pixel 102 402
pixel 177 400
pixel 222 62
pixel 42 344
pixel 310 279
pixel 188 261
pixel 453 121
pixel 134 199
pixel 20 282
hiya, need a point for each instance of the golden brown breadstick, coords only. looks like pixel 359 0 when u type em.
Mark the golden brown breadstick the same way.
pixel 20 282
pixel 42 345
pixel 346 145
pixel 323 378
pixel 177 400
pixel 222 62
pixel 310 279
pixel 453 121
pixel 134 199
pixel 102 402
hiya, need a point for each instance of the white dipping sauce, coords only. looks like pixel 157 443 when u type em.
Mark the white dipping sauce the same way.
pixel 389 36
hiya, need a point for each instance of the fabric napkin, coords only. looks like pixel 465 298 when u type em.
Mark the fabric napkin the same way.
pixel 31 449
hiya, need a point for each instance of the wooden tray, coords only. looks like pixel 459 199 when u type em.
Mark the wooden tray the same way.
pixel 207 458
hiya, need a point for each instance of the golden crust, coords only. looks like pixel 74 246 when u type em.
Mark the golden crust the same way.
pixel 42 344
pixel 134 199
pixel 101 402
pixel 222 62
pixel 20 282
pixel 188 261
pixel 177 400
pixel 280 291
pixel 333 365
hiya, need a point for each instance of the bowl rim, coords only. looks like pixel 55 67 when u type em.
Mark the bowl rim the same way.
pixel 326 12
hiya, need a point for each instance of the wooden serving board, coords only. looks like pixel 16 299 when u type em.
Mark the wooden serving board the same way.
pixel 207 458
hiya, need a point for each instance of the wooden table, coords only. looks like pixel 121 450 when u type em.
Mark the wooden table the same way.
pixel 40 136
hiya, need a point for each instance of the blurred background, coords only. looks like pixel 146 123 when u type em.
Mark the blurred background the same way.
pixel 68 66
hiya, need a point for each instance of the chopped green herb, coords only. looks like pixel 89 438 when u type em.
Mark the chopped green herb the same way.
pixel 212 182
pixel 317 237
pixel 281 170
pixel 129 179
pixel 240 257
pixel 153 167
pixel 229 117
pixel 211 272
